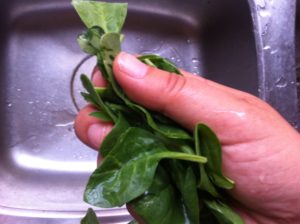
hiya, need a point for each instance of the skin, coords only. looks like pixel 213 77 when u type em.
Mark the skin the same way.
pixel 261 151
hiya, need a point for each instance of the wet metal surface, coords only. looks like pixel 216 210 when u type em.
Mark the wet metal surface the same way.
pixel 43 166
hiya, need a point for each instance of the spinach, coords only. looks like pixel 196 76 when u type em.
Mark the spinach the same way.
pixel 207 144
pixel 90 217
pixel 167 174
pixel 160 204
pixel 128 169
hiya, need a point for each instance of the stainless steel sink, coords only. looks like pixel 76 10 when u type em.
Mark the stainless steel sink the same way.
pixel 43 167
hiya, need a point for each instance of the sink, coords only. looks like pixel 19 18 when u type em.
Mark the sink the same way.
pixel 43 166
pixel 274 30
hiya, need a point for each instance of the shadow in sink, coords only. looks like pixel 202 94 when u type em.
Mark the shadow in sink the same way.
pixel 43 167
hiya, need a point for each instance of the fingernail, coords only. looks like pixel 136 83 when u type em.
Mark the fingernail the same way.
pixel 131 66
pixel 95 135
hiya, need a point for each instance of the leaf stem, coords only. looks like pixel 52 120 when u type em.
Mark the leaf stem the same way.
pixel 182 156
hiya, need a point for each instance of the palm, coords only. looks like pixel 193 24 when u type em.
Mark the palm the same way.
pixel 257 158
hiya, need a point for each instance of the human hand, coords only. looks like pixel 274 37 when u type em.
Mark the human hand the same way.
pixel 260 150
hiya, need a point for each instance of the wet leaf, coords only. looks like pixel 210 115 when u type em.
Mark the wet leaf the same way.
pixel 223 212
pixel 160 203
pixel 208 145
pixel 128 170
pixel 90 218
pixel 110 17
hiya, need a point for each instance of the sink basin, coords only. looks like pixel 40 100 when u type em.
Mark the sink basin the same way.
pixel 43 167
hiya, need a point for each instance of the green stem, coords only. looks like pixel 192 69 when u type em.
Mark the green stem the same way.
pixel 182 156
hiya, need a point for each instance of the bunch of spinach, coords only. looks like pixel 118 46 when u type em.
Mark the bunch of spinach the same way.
pixel 167 174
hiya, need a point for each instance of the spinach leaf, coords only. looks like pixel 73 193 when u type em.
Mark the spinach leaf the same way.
pixel 133 222
pixel 90 218
pixel 95 98
pixel 159 62
pixel 208 145
pixel 223 212
pixel 160 204
pixel 128 170
pixel 185 180
pixel 101 115
pixel 108 143
pixel 89 41
pixel 110 17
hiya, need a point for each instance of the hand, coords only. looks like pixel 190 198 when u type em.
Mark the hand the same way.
pixel 261 151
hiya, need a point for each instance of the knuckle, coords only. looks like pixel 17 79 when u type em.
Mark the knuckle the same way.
pixel 174 85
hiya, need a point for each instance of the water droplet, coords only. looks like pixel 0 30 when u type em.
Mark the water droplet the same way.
pixel 68 124
pixel 19 90
pixel 274 51
pixel 264 13
pixel 9 105
pixel 267 47
pixel 259 90
pixel 265 29
pixel 281 82
pixel 30 102
pixel 195 60
pixel 261 4
pixel 188 41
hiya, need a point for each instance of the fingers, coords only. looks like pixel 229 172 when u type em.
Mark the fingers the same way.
pixel 191 99
pixel 97 78
pixel 91 130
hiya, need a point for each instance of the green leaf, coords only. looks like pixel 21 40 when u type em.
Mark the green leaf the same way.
pixel 133 222
pixel 108 143
pixel 205 183
pixel 128 170
pixel 110 46
pixel 89 41
pixel 110 17
pixel 101 115
pixel 223 212
pixel 90 218
pixel 95 98
pixel 160 203
pixel 185 180
pixel 170 131
pixel 208 145
pixel 160 63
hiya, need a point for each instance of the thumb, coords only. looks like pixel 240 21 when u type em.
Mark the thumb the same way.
pixel 188 99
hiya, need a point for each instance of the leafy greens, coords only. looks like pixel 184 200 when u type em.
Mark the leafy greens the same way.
pixel 149 161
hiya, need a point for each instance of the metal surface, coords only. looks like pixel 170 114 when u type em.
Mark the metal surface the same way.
pixel 43 167
pixel 274 29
